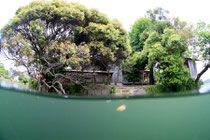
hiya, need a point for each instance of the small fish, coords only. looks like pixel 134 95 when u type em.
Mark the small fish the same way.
pixel 121 108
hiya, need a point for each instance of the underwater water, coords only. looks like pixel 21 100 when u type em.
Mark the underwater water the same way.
pixel 33 116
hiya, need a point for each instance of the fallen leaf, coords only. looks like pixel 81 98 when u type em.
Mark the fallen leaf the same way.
pixel 121 108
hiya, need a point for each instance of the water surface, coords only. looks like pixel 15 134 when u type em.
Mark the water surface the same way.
pixel 26 116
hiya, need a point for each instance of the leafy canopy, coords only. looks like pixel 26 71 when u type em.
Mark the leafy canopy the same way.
pixel 202 46
pixel 49 36
pixel 166 51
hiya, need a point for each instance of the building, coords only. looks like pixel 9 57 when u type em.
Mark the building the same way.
pixel 117 76
pixel 192 67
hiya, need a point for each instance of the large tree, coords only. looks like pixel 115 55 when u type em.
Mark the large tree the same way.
pixel 167 52
pixel 49 36
pixel 156 20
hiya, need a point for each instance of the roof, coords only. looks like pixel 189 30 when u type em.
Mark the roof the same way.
pixel 89 71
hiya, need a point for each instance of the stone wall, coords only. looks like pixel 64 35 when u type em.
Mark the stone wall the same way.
pixel 121 90
pixel 130 90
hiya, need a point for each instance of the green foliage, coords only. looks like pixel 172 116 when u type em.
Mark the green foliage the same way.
pixel 33 84
pixel 160 26
pixel 113 90
pixel 106 82
pixel 108 44
pixel 134 60
pixel 167 49
pixel 165 42
pixel 73 88
pixel 154 89
pixel 184 30
pixel 159 19
pixel 133 76
pixel 146 32
pixel 137 61
pixel 174 73
pixel 202 46
pixel 23 79
pixel 191 85
pixel 159 88
pixel 137 29
pixel 4 72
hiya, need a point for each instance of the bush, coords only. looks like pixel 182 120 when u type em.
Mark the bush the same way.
pixel 73 88
pixel 133 76
pixel 33 83
pixel 113 90
pixel 189 85
pixel 155 89
pixel 7 77
pixel 106 82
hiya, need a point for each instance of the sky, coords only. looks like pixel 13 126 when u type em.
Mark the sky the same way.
pixel 127 12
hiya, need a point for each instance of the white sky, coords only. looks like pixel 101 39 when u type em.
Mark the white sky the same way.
pixel 127 11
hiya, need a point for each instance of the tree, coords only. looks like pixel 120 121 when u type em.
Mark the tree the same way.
pixel 167 51
pixel 159 18
pixel 108 44
pixel 164 54
pixel 202 46
pixel 157 14
pixel 137 29
pixel 156 20
pixel 184 29
pixel 49 36
pixel 137 36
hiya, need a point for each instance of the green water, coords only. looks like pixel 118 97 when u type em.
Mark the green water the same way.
pixel 33 117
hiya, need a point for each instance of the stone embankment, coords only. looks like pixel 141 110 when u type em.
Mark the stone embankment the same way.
pixel 130 90
pixel 121 90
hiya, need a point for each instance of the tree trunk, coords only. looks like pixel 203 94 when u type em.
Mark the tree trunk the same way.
pixel 202 72
pixel 151 77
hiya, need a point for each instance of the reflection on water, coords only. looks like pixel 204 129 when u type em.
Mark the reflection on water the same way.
pixel 205 88
pixel 10 84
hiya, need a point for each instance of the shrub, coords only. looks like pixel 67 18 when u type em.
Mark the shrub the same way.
pixel 7 77
pixel 33 83
pixel 106 82
pixel 73 88
pixel 189 85
pixel 155 89
pixel 113 90
pixel 133 76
